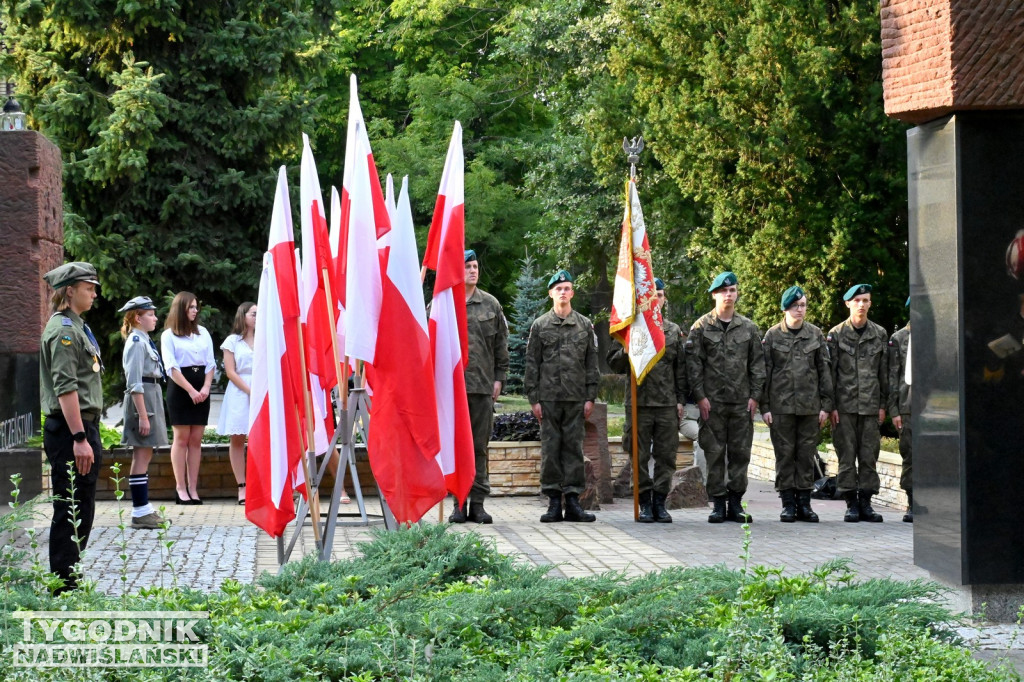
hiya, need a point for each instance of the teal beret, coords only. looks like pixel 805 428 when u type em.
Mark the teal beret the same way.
pixel 138 303
pixel 658 284
pixel 558 278
pixel 470 255
pixel 856 290
pixel 726 279
pixel 791 296
pixel 908 301
pixel 70 273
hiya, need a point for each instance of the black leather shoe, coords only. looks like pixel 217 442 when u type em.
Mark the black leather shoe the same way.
pixel 803 507
pixel 477 514
pixel 661 514
pixel 458 514
pixel 646 510
pixel 788 514
pixel 909 516
pixel 852 507
pixel 554 512
pixel 574 512
pixel 866 512
pixel 734 509
pixel 718 514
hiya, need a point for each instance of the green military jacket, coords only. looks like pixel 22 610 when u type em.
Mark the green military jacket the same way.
pixel 488 343
pixel 725 365
pixel 899 391
pixel 860 368
pixel 665 385
pixel 561 359
pixel 799 377
pixel 69 361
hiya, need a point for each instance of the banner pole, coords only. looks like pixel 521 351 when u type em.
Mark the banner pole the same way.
pixel 636 446
pixel 311 489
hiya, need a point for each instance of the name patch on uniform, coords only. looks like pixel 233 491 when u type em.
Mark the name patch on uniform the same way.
pixel 65 340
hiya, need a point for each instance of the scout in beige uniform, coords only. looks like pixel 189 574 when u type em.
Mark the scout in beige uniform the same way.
pixel 71 397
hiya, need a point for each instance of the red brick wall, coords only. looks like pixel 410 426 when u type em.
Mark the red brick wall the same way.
pixel 941 56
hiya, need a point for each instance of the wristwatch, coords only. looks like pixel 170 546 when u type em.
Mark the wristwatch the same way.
pixel 78 437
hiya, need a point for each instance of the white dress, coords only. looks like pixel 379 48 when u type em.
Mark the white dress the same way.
pixel 234 411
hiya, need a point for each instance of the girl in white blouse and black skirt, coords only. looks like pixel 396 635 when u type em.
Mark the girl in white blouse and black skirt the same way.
pixel 187 350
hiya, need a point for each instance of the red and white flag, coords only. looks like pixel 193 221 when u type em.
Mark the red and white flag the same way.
pixel 339 252
pixel 635 320
pixel 274 432
pixel 363 288
pixel 403 438
pixel 445 254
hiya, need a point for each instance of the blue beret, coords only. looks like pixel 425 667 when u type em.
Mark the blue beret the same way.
pixel 558 278
pixel 908 301
pixel 791 296
pixel 658 284
pixel 470 255
pixel 856 290
pixel 726 279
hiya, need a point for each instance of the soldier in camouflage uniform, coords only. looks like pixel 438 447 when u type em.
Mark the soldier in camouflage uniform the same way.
pixel 561 384
pixel 860 378
pixel 796 403
pixel 488 363
pixel 71 397
pixel 899 408
pixel 725 367
pixel 660 399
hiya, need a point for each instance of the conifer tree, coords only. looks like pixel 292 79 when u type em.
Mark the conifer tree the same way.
pixel 530 302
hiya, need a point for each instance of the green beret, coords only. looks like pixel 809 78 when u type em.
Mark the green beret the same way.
pixel 558 278
pixel 726 279
pixel 658 284
pixel 70 273
pixel 138 303
pixel 791 296
pixel 856 290
pixel 470 255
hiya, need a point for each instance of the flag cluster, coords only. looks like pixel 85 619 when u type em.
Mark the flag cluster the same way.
pixel 353 295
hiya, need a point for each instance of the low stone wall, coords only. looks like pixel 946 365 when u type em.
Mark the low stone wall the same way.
pixel 890 466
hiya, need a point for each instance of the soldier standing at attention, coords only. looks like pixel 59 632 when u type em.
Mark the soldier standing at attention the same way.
pixel 71 398
pixel 860 369
pixel 659 401
pixel 488 363
pixel 796 404
pixel 561 379
pixel 725 366
pixel 899 408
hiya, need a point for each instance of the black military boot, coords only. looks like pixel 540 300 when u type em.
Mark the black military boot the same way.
pixel 734 511
pixel 718 514
pixel 661 514
pixel 788 514
pixel 803 507
pixel 852 508
pixel 554 512
pixel 477 514
pixel 458 514
pixel 573 510
pixel 866 512
pixel 646 512
pixel 909 516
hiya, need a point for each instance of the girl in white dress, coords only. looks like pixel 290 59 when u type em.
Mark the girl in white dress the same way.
pixel 234 412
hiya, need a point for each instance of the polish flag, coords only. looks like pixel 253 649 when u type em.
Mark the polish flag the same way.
pixel 363 288
pixel 339 253
pixel 445 254
pixel 403 438
pixel 317 396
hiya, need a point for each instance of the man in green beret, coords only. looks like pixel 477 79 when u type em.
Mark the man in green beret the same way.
pixel 899 409
pixel 560 380
pixel 71 398
pixel 725 366
pixel 796 403
pixel 659 408
pixel 860 378
pixel 485 373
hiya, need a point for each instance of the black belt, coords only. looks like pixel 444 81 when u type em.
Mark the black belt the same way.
pixel 195 368
pixel 152 380
pixel 86 418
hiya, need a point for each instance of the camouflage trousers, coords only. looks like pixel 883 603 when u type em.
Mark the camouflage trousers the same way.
pixel 795 441
pixel 658 439
pixel 726 437
pixel 857 443
pixel 561 447
pixel 906 438
pixel 481 417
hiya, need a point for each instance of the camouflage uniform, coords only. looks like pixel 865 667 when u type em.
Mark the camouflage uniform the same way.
pixel 798 387
pixel 657 397
pixel 726 366
pixel 860 370
pixel 561 374
pixel 488 362
pixel 899 401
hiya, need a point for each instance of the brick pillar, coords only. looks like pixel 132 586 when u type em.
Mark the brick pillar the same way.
pixel 32 237
pixel 955 68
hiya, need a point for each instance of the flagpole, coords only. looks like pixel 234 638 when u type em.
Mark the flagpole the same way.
pixel 636 446
pixel 332 463
pixel 312 491
pixel 440 505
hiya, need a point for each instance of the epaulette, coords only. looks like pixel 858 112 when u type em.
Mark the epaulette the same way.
pixel 66 322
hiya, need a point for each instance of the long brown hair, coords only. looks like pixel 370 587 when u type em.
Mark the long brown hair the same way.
pixel 177 319
pixel 238 326
pixel 131 321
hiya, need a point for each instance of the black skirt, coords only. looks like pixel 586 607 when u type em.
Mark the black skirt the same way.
pixel 180 406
